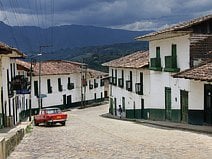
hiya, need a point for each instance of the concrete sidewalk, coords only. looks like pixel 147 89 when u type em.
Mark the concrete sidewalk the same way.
pixel 11 137
pixel 166 124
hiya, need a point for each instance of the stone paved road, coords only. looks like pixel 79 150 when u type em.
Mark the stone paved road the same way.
pixel 89 136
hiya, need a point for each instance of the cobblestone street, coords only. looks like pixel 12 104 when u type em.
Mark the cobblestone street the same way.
pixel 87 135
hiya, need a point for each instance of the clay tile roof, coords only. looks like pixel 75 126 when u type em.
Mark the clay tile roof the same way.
pixel 5 49
pixel 136 60
pixel 177 27
pixel 58 67
pixel 202 72
pixel 95 74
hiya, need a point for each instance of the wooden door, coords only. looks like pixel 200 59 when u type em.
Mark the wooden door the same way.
pixel 184 106
pixel 142 108
pixel 167 103
pixel 69 100
pixel 111 106
pixel 64 100
pixel 208 104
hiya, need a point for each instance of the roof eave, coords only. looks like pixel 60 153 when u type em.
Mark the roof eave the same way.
pixel 162 35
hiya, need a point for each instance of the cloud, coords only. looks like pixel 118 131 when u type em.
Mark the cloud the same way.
pixel 126 14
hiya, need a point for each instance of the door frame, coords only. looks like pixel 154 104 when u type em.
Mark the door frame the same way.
pixel 168 103
pixel 142 108
pixel 207 104
pixel 183 109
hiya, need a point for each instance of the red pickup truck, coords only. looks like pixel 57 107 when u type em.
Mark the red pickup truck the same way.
pixel 50 116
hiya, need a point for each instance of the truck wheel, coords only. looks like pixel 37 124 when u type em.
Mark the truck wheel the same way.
pixel 63 123
pixel 36 124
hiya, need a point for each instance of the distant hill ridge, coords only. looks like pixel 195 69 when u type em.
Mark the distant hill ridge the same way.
pixel 30 38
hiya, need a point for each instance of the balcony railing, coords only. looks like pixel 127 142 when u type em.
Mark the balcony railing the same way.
pixel 90 86
pixel 102 82
pixel 114 81
pixel 20 84
pixel 50 89
pixel 60 88
pixel 129 85
pixel 121 82
pixel 155 64
pixel 139 88
pixel 111 80
pixel 95 85
pixel 70 86
pixel 171 64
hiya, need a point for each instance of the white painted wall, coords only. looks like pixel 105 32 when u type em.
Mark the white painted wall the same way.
pixel 56 97
pixel 159 79
pixel 196 95
pixel 183 50
pixel 131 97
pixel 5 65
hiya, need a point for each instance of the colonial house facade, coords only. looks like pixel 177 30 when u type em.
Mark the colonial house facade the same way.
pixel 177 85
pixel 58 83
pixel 174 50
pixel 10 101
pixel 129 85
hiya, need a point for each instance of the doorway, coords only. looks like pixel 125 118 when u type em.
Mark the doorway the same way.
pixel 64 100
pixel 208 104
pixel 167 103
pixel 142 108
pixel 184 106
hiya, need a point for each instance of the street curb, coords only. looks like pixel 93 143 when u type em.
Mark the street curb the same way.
pixel 12 138
pixel 177 126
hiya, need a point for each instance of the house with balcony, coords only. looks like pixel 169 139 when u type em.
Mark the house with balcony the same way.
pixel 64 84
pixel 179 88
pixel 129 84
pixel 11 102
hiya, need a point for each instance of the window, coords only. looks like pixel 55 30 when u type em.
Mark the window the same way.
pixel 49 88
pixel 60 87
pixel 36 88
pixel 155 63
pixel 139 86
pixel 157 52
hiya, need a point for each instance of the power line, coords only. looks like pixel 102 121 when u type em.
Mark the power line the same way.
pixel 6 19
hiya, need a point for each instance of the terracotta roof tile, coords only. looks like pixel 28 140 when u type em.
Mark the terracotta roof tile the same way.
pixel 58 67
pixel 177 27
pixel 202 72
pixel 136 60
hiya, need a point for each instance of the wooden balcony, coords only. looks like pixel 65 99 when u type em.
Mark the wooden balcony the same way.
pixel 171 64
pixel 70 86
pixel 139 88
pixel 121 82
pixel 129 85
pixel 95 85
pixel 155 64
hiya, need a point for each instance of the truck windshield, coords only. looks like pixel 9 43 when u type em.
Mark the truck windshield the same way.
pixel 53 111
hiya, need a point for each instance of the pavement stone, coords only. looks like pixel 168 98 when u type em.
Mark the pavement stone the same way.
pixel 88 135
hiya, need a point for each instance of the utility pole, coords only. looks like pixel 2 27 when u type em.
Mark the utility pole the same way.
pixel 83 83
pixel 39 80
pixel 30 95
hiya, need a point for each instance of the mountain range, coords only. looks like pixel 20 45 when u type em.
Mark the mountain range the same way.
pixel 30 38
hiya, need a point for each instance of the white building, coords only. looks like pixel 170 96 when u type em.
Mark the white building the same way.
pixel 10 102
pixel 172 90
pixel 129 84
pixel 175 49
pixel 63 84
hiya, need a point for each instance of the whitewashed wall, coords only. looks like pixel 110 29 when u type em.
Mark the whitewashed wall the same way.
pixel 183 50
pixel 159 79
pixel 56 97
pixel 131 97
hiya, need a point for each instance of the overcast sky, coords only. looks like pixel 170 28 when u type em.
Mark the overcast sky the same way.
pixel 123 14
